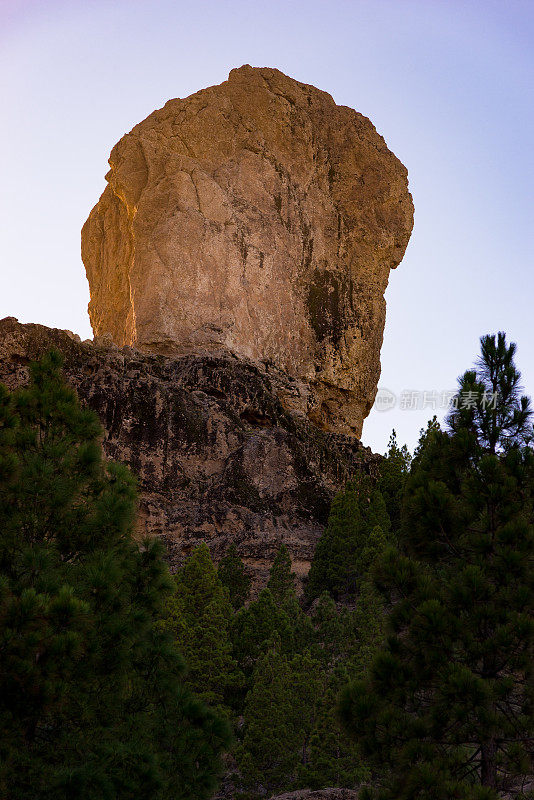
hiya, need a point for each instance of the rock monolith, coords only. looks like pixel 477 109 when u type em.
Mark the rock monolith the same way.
pixel 260 219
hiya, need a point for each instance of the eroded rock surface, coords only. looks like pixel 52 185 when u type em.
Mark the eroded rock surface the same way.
pixel 256 218
pixel 219 459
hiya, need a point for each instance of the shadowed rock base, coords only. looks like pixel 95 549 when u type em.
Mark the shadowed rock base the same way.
pixel 219 458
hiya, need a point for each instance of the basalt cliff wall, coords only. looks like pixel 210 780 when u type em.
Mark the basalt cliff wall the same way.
pixel 218 456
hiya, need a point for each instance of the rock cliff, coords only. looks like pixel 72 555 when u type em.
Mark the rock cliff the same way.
pixel 218 456
pixel 259 219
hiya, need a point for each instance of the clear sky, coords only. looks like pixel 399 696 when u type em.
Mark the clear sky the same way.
pixel 448 83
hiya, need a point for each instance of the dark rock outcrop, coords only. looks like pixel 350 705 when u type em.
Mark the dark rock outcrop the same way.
pixel 218 456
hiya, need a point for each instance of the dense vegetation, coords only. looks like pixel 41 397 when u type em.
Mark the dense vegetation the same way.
pixel 446 708
pixel 92 699
pixel 417 613
pixel 274 671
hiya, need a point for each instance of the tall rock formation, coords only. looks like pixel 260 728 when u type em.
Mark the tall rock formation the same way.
pixel 255 218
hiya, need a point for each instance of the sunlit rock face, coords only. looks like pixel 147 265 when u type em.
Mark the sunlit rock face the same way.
pixel 260 219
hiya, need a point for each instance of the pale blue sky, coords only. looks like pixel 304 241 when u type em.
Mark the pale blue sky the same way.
pixel 448 83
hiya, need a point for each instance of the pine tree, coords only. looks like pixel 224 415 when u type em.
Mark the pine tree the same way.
pixel 333 758
pixel 309 681
pixel 357 530
pixel 268 756
pixel 92 702
pixel 279 718
pixel 281 581
pixel 425 438
pixel 394 471
pixel 448 705
pixel 333 630
pixel 254 629
pixel 199 617
pixel 282 586
pixel 234 576
pixel 490 403
pixel 367 630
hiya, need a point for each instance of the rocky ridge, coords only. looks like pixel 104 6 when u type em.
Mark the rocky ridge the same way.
pixel 218 456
